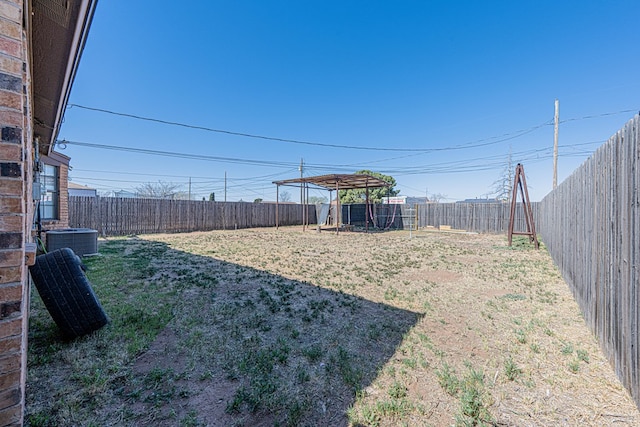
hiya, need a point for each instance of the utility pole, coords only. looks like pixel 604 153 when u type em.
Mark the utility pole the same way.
pixel 225 186
pixel 189 188
pixel 556 119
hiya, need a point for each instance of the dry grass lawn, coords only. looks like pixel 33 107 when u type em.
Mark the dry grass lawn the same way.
pixel 265 327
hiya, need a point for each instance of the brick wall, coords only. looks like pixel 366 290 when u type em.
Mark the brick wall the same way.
pixel 63 197
pixel 16 209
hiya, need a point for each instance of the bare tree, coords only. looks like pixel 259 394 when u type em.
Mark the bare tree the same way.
pixel 503 186
pixel 318 200
pixel 285 196
pixel 437 197
pixel 160 190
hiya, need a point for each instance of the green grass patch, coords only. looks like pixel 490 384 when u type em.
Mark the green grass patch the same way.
pixel 97 364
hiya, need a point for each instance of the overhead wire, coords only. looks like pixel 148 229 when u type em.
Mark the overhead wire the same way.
pixel 469 164
pixel 201 186
pixel 62 144
pixel 457 166
pixel 209 178
pixel 474 144
pixel 441 167
pixel 597 116
pixel 139 174
pixel 177 154
pixel 478 143
pixel 243 134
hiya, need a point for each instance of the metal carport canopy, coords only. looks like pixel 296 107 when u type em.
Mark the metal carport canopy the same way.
pixel 332 182
pixel 341 181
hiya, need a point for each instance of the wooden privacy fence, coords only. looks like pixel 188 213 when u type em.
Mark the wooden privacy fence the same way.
pixel 113 216
pixel 591 226
pixel 478 217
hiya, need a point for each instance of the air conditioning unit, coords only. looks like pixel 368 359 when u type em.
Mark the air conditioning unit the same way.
pixel 83 241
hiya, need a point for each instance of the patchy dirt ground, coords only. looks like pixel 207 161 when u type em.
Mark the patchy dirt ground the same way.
pixel 284 327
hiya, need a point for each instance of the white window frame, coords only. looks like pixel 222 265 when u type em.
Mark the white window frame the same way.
pixel 50 194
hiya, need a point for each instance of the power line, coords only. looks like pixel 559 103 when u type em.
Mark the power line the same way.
pixel 140 174
pixel 208 178
pixel 247 135
pixel 131 181
pixel 480 143
pixel 461 165
pixel 474 144
pixel 597 116
pixel 64 143
pixel 456 166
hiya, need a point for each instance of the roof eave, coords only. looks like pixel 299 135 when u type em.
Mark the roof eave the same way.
pixel 53 74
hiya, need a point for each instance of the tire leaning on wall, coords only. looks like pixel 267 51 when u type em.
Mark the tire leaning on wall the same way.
pixel 67 293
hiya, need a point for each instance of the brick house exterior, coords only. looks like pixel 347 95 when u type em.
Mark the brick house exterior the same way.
pixel 40 46
pixel 60 218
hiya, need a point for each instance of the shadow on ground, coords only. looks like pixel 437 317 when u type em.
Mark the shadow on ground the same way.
pixel 239 346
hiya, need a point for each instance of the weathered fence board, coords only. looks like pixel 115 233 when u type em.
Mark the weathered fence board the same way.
pixel 477 217
pixel 113 216
pixel 591 226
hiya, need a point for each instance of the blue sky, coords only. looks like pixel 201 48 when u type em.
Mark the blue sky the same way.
pixel 471 81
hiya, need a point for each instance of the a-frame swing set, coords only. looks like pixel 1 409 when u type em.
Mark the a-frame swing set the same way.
pixel 520 181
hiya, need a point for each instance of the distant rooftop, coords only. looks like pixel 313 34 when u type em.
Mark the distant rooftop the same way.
pixel 74 186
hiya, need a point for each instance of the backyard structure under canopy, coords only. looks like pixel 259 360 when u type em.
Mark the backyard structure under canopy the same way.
pixel 330 182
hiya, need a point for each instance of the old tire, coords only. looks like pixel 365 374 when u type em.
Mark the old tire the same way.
pixel 67 293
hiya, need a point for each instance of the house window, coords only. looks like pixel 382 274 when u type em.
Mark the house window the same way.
pixel 50 192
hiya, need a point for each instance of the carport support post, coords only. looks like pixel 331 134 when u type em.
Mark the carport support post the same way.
pixel 306 201
pixel 330 202
pixel 277 203
pixel 366 208
pixel 302 200
pixel 337 208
